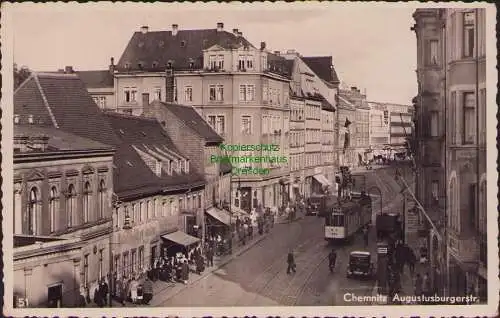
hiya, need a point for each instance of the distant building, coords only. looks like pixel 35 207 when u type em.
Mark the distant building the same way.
pixel 297 146
pixel 401 126
pixel 450 146
pixel 346 113
pixel 62 214
pixel 240 90
pixel 379 129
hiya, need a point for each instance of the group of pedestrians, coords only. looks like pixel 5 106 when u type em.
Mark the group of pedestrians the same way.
pixel 96 293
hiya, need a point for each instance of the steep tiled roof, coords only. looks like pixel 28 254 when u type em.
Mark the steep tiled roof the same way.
pixel 155 49
pixel 62 101
pixel 280 65
pixel 325 104
pixel 323 67
pixel 96 79
pixel 59 140
pixel 134 177
pixel 193 120
pixel 344 103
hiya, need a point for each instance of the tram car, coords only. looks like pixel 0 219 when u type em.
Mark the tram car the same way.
pixel 320 204
pixel 346 218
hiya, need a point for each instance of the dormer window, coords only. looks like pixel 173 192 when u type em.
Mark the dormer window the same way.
pixel 155 64
pixel 191 64
pixel 212 62
pixel 169 64
pixel 127 65
pixel 186 169
pixel 16 119
pixel 140 65
pixel 158 168
pixel 183 43
pixel 170 166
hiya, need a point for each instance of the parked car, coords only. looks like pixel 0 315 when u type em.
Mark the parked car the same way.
pixel 360 265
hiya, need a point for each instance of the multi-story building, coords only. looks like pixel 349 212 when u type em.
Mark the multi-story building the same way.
pixel 360 132
pixel 346 112
pixel 306 88
pixel 199 142
pixel 63 188
pixel 327 138
pixel 231 83
pixel 297 146
pixel 450 134
pixel 401 128
pixel 100 85
pixel 158 195
pixel 379 129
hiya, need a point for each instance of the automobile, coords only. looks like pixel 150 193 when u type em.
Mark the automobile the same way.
pixel 360 265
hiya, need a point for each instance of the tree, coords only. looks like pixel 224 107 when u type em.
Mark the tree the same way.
pixel 20 75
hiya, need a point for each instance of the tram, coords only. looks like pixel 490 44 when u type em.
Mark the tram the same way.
pixel 346 218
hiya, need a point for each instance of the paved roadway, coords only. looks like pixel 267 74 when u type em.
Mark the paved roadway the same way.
pixel 258 277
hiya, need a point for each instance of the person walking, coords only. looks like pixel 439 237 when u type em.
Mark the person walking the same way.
pixel 210 256
pixel 418 285
pixel 147 290
pixel 184 271
pixel 412 259
pixel 365 235
pixel 332 259
pixel 291 263
pixel 426 285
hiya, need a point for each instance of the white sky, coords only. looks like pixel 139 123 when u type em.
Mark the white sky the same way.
pixel 371 44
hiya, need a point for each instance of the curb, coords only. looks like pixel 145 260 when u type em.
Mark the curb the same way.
pixel 214 268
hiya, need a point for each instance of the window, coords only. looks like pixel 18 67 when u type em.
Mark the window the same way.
pixel 434 123
pixel 212 63
pixel 246 125
pixel 263 62
pixel 141 258
pixel 433 52
pixel 241 62
pixel 216 92
pixel 181 204
pixel 116 264
pixel 188 94
pixel 220 62
pixel 32 212
pixel 96 100
pixel 468 35
pixel 141 211
pixel 102 102
pixel 435 190
pixel 53 207
pixel 237 198
pixel 130 94
pixel 220 125
pixel 250 62
pixel 125 267
pixel 102 199
pixel 247 92
pixel 211 120
pixel 86 271
pixel 220 92
pixel 70 205
pixel 148 204
pixel 199 200
pixel 100 263
pixel 133 260
pixel 482 115
pixel 157 93
pixel 473 205
pixel 86 202
pixel 155 205
pixel 134 212
pixel 386 117
pixel 469 119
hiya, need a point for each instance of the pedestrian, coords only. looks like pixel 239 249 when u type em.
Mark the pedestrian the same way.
pixel 332 259
pixel 199 264
pixel 105 289
pixel 291 263
pixel 81 298
pixel 147 289
pixel 418 285
pixel 426 285
pixel 120 292
pixel 210 256
pixel 184 272
pixel 133 290
pixel 244 232
pixel 412 259
pixel 365 235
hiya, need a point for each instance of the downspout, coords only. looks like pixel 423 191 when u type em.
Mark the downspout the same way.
pixel 478 172
pixel 445 234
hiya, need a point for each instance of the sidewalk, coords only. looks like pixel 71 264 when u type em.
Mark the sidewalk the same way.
pixel 165 290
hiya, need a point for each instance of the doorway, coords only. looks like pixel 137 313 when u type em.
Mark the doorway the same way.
pixel 54 296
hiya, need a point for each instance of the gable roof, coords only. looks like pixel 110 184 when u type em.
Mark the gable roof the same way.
pixel 133 176
pixel 58 139
pixel 97 79
pixel 189 116
pixel 61 101
pixel 160 47
pixel 344 103
pixel 323 67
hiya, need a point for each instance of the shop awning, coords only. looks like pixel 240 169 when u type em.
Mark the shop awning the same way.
pixel 322 179
pixel 238 212
pixel 221 215
pixel 181 238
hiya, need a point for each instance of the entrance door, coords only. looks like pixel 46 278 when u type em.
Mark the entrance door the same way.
pixel 153 254
pixel 246 199
pixel 55 296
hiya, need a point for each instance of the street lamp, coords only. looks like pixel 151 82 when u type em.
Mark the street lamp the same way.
pixel 380 193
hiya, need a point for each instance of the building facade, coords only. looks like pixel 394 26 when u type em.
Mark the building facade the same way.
pixel 400 123
pixel 345 114
pixel 232 84
pixel 100 85
pixel 297 146
pixel 379 129
pixel 451 141
pixel 62 215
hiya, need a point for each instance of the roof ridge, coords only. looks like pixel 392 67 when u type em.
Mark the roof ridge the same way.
pixel 24 82
pixel 56 74
pixel 45 101
pixel 128 116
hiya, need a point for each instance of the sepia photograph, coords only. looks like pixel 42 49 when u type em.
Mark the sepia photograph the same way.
pixel 195 159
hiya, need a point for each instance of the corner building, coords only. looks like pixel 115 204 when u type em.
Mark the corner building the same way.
pixel 451 143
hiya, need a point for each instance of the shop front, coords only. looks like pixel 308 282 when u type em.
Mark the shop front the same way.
pixel 218 222
pixel 177 242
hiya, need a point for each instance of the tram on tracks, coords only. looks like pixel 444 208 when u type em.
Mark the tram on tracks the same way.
pixel 349 214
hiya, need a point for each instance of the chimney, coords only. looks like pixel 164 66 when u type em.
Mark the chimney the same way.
pixel 277 53
pixel 112 65
pixel 354 88
pixel 240 33
pixel 175 29
pixel 291 51
pixel 145 101
pixel 68 69
pixel 262 45
pixel 220 26
pixel 144 29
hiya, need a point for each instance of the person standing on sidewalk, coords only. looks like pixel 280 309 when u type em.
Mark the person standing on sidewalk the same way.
pixel 426 285
pixel 147 289
pixel 418 285
pixel 291 262
pixel 365 235
pixel 210 256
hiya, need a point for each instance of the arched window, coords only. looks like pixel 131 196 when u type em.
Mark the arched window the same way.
pixel 102 199
pixel 70 205
pixel 53 207
pixel 87 192
pixel 155 204
pixel 32 212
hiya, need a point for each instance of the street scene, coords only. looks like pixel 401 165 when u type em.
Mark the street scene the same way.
pixel 215 161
